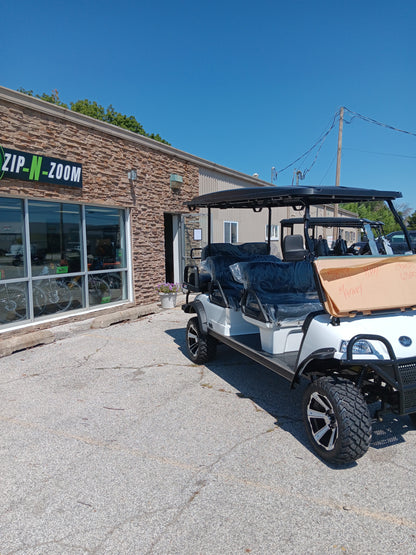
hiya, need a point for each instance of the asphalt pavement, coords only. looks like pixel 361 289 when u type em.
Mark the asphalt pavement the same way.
pixel 113 442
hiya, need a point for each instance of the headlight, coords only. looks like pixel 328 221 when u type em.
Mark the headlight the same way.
pixel 360 347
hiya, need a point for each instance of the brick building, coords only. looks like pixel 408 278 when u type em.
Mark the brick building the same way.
pixel 79 231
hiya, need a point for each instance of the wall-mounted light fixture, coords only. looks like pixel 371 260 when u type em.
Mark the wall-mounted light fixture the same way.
pixel 132 175
pixel 175 181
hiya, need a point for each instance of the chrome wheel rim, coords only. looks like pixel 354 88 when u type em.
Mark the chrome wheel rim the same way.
pixel 193 340
pixel 322 421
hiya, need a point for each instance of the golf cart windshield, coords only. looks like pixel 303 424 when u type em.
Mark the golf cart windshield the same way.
pixel 369 237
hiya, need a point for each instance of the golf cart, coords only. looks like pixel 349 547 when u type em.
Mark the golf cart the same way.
pixel 345 323
pixel 371 231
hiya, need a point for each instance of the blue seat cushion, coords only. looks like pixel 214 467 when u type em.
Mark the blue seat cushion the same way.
pixel 285 290
pixel 219 268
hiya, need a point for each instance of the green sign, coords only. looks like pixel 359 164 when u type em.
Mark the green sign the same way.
pixel 15 164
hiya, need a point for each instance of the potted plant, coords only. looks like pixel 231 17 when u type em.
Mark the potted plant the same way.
pixel 167 293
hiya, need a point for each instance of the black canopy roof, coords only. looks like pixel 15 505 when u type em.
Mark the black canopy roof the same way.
pixel 258 197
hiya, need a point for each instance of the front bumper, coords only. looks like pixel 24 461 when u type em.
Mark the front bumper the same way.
pixel 399 373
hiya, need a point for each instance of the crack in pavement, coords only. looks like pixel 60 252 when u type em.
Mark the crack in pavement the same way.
pixel 203 473
pixel 200 485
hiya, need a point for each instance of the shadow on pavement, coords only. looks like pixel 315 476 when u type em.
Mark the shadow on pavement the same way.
pixel 273 394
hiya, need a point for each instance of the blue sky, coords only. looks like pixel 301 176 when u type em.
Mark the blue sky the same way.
pixel 249 85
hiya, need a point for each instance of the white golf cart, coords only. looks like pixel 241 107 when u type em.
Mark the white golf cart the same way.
pixel 345 322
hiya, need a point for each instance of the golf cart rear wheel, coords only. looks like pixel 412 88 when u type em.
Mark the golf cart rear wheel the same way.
pixel 201 348
pixel 337 420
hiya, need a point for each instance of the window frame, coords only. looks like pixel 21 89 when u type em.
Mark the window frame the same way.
pixel 273 237
pixel 231 224
pixel 30 281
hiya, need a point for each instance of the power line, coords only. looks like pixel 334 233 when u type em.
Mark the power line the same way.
pixel 319 143
pixel 371 120
pixel 380 153
pixel 329 167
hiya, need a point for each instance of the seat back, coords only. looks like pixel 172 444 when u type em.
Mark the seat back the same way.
pixel 245 250
pixel 321 248
pixel 292 248
pixel 278 290
pixel 218 267
pixel 221 249
pixel 340 247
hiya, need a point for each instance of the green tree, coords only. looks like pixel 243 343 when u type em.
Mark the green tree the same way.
pixel 53 98
pixel 404 210
pixel 376 211
pixel 411 221
pixel 94 110
pixel 88 108
pixel 110 115
pixel 26 91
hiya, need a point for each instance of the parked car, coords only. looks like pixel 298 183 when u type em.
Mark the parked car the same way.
pixel 398 241
pixel 324 319
pixel 357 247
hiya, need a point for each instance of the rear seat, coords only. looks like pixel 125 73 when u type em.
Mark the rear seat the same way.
pixel 277 293
pixel 217 259
pixel 224 286
pixel 224 290
pixel 245 250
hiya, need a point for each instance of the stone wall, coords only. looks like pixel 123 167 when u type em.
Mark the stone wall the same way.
pixel 105 159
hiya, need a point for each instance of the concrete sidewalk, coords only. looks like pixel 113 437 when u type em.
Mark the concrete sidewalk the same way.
pixel 112 441
pixel 36 334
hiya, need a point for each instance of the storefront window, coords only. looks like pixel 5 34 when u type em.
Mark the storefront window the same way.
pixel 13 302
pixel 49 268
pixel 105 252
pixel 105 238
pixel 55 238
pixel 12 239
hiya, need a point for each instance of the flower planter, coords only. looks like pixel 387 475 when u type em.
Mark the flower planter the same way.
pixel 168 300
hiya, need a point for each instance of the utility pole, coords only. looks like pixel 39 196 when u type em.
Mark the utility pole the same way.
pixel 338 173
pixel 341 124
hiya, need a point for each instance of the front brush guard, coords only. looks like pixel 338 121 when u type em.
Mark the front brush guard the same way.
pixel 400 374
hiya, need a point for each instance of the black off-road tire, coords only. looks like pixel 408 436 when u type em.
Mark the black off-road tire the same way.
pixel 413 419
pixel 337 420
pixel 201 348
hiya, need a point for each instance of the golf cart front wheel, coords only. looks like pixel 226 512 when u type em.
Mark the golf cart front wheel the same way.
pixel 337 420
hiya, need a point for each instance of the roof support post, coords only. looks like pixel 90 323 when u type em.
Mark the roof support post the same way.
pixel 308 240
pixel 269 228
pixel 209 225
pixel 402 225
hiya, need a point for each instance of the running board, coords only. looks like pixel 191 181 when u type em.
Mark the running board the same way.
pixel 276 363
